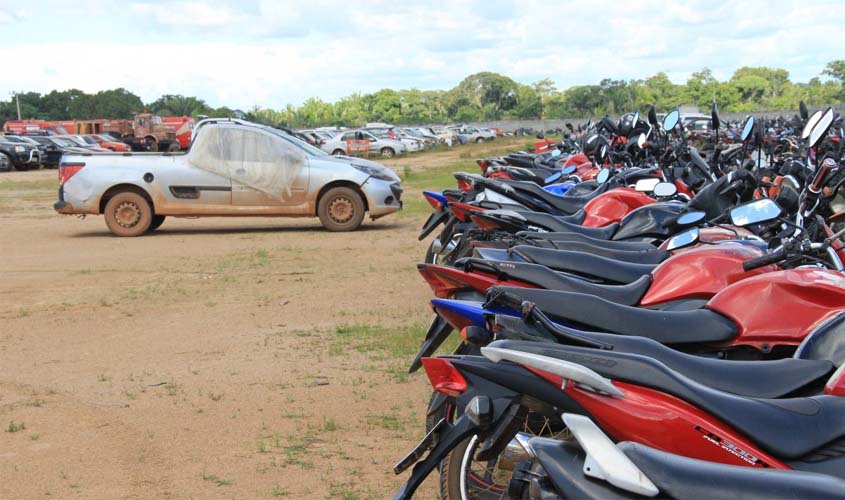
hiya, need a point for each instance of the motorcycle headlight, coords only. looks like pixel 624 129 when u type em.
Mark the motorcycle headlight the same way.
pixel 375 172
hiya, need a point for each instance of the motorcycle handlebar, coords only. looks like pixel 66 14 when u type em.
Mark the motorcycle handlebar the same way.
pixel 764 260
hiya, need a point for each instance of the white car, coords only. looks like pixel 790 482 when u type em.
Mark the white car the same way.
pixel 383 146
pixel 233 168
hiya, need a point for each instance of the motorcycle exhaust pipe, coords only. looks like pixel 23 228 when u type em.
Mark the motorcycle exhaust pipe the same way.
pixel 518 450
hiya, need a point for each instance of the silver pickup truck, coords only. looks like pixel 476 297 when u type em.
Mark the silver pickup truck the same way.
pixel 233 168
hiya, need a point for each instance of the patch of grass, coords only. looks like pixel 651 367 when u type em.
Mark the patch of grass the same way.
pixel 213 478
pixel 15 426
pixel 279 492
pixel 45 184
pixel 329 425
pixel 440 178
pixel 215 397
pixel 297 450
pixel 397 343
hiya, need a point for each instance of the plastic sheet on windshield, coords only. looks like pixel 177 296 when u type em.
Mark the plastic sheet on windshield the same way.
pixel 250 156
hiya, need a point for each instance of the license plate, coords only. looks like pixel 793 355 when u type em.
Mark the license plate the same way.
pixel 428 442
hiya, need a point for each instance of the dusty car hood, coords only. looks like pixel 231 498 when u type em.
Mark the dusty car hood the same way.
pixel 351 160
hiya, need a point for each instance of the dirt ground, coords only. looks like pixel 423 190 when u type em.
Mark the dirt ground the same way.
pixel 216 358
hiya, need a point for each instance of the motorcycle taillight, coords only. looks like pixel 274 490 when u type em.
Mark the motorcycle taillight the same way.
pixel 444 377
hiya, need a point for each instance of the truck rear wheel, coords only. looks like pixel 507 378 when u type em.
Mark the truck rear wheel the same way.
pixel 128 214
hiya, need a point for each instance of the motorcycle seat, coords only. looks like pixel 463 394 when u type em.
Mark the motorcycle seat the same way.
pixel 567 223
pixel 591 312
pixel 652 256
pixel 543 277
pixel 762 379
pixel 584 264
pixel 569 236
pixel 566 204
pixel 681 477
pixel 787 428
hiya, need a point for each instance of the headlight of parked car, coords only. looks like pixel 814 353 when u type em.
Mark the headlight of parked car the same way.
pixel 19 149
pixel 375 172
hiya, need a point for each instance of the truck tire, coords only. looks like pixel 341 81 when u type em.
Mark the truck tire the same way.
pixel 387 153
pixel 152 145
pixel 128 214
pixel 479 140
pixel 341 209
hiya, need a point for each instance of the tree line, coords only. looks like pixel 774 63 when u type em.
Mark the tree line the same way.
pixel 483 96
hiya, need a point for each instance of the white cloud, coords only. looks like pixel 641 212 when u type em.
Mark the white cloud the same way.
pixel 184 13
pixel 272 53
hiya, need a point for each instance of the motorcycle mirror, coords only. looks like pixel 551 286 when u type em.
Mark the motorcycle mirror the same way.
pixel 553 178
pixel 664 189
pixel 683 239
pixel 671 120
pixel 652 116
pixel 714 117
pixel 646 185
pixel 690 218
pixel 568 170
pixel 820 130
pixel 603 176
pixel 747 128
pixel 569 126
pixel 641 141
pixel 811 122
pixel 802 110
pixel 555 153
pixel 754 212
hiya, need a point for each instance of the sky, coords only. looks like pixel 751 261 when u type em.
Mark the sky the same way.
pixel 245 53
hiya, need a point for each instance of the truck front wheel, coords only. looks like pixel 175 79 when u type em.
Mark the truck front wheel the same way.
pixel 128 214
pixel 152 145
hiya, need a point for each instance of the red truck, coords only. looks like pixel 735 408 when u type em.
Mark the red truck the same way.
pixel 184 127
pixel 144 132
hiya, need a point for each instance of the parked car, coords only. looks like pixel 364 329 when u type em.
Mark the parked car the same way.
pixel 107 142
pixel 387 148
pixel 414 133
pixel 6 163
pixel 447 136
pixel 233 168
pixel 79 141
pixel 428 134
pixel 56 146
pixel 20 154
pixel 412 144
pixel 22 139
pixel 474 134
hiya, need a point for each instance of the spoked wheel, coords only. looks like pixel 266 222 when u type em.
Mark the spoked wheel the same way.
pixel 464 477
pixel 440 254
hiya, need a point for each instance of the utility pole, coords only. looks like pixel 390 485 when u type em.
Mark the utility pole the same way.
pixel 17 102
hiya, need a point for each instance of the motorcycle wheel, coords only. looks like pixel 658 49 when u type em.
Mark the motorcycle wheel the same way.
pixel 462 477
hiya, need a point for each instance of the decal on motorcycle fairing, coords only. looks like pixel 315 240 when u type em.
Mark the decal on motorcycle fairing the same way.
pixel 731 448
